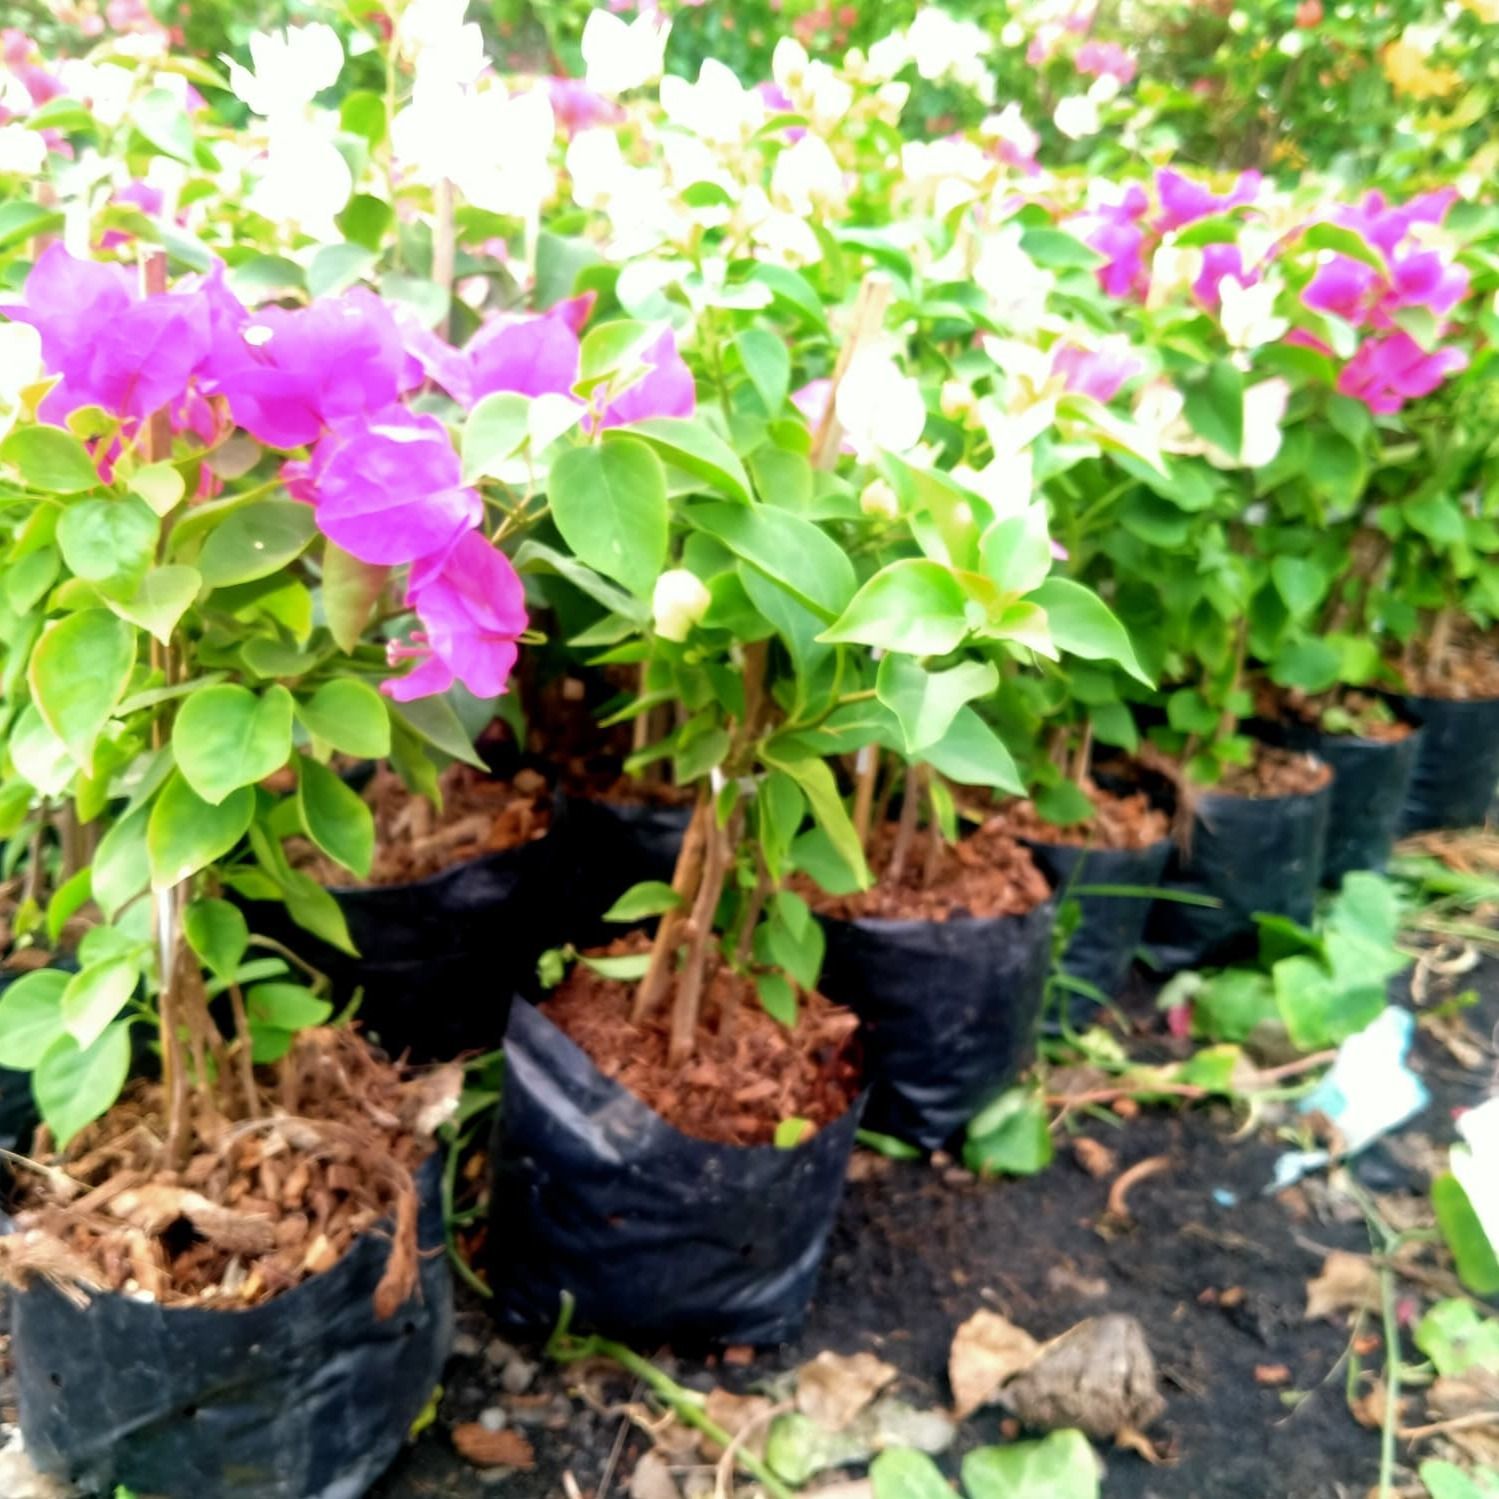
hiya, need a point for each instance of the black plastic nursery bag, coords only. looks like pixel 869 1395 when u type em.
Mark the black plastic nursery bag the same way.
pixel 1371 780
pixel 308 1396
pixel 612 846
pixel 1110 927
pixel 1457 765
pixel 950 1010
pixel 1253 854
pixel 654 1233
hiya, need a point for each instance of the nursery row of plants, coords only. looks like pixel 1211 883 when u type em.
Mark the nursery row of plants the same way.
pixel 706 586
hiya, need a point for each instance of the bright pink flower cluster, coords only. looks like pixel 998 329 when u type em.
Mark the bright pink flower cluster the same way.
pixel 1116 230
pixel 1101 373
pixel 1106 60
pixel 1390 367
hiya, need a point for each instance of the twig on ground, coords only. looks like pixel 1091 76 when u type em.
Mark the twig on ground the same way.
pixel 1118 1206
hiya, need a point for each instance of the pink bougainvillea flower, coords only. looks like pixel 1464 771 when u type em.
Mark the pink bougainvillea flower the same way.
pixel 1106 60
pixel 1101 372
pixel 472 608
pixel 1184 201
pixel 530 354
pixel 297 372
pixel 113 347
pixel 1387 372
pixel 666 389
pixel 1344 287
pixel 578 107
pixel 388 489
pixel 1113 229
pixel 1218 263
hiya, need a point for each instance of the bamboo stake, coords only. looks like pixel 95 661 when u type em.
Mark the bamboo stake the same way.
pixel 444 250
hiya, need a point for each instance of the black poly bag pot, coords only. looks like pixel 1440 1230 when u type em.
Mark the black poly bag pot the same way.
pixel 950 1010
pixel 611 846
pixel 1110 927
pixel 1252 854
pixel 654 1233
pixel 1457 766
pixel 1371 780
pixel 307 1396
pixel 441 958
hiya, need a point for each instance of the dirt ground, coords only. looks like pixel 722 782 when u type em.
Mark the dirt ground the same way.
pixel 917 1249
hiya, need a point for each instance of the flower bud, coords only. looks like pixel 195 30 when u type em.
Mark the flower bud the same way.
pixel 956 400
pixel 680 600
pixel 879 499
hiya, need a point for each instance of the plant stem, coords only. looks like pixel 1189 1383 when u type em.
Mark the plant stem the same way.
pixel 910 808
pixel 869 318
pixel 444 250
pixel 689 996
pixel 1082 759
pixel 934 839
pixel 867 763
pixel 1439 643
pixel 685 880
pixel 244 1052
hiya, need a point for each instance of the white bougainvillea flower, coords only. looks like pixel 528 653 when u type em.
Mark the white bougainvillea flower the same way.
pixel 877 499
pixel 716 108
pixel 1248 313
pixel 888 56
pixel 1264 411
pixel 1077 117
pixel 596 166
pixel 22 150
pixel 679 601
pixel 446 51
pixel 1016 286
pixel 1172 272
pixel 619 56
pixel 943 47
pixel 1475 1164
pixel 20 366
pixel 291 68
pixel 303 179
pixel 1007 481
pixel 807 176
pixel 879 408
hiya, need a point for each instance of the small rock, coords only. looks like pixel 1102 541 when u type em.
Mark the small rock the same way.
pixel 466 1345
pixel 498 1353
pixel 518 1375
pixel 493 1419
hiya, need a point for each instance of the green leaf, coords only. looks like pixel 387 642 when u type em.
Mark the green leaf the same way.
pixel 1057 250
pixel 50 460
pixel 73 1087
pixel 160 485
pixel 1445 1480
pixel 914 606
pixel 495 430
pixel 434 720
pixel 163 597
pixel 1319 1008
pixel 335 268
pixel 1477 1260
pixel 29 577
pixel 1059 1466
pixel 285 1007
pixel 1215 407
pixel 256 541
pixel 767 362
pixel 164 123
pixel 1311 665
pixel 788 550
pixel 1016 551
pixel 972 754
pixel 217 931
pixel 792 1132
pixel 1010 1137
pixel 335 817
pixel 109 541
pixel 792 940
pixel 628 968
pixel 926 702
pixel 79 670
pixel 609 503
pixel 693 447
pixel 1064 804
pixel 818 786
pixel 1114 724
pixel 351 590
pixel 1455 1338
pixel 226 737
pixel 350 716
pixel 31 1018
pixel 68 899
pixel 121 869
pixel 96 995
pixel 648 898
pixel 1300 583
pixel 362 113
pixel 777 997
pixel 1343 241
pixel 186 833
pixel 903 1473
pixel 1083 625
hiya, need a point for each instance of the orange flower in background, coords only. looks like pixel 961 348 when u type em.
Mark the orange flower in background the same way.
pixel 1309 13
pixel 1410 74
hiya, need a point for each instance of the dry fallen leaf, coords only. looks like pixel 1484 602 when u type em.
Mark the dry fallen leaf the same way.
pixel 484 1448
pixel 843 1488
pixel 1095 1157
pixel 1370 1408
pixel 652 1479
pixel 835 1387
pixel 1099 1376
pixel 986 1351
pixel 1272 1374
pixel 1465 1394
pixel 1133 1440
pixel 1347 1282
pixel 734 1413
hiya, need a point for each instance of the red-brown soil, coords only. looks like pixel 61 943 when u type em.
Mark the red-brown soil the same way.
pixel 1469 669
pixel 1366 715
pixel 743 1081
pixel 985 874
pixel 1122 822
pixel 262 1203
pixel 414 839
pixel 1274 772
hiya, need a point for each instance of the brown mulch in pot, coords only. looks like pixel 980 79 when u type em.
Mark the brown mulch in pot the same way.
pixel 262 1204
pixel 1130 821
pixel 743 1080
pixel 1274 772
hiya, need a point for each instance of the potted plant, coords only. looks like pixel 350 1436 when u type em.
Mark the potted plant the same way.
pixel 246 1201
